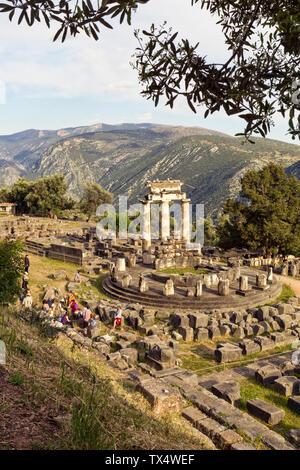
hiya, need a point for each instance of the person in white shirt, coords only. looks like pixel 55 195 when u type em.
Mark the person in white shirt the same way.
pixel 118 317
pixel 27 302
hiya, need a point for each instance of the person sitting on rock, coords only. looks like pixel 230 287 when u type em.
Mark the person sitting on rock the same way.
pixel 87 315
pixel 60 308
pixel 77 277
pixel 65 320
pixel 74 308
pixel 27 302
pixel 92 321
pixel 45 306
pixel 118 317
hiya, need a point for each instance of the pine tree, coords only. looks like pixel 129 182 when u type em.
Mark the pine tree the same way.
pixel 267 215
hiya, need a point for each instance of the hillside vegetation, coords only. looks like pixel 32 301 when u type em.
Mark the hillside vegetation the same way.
pixel 123 158
pixel 57 396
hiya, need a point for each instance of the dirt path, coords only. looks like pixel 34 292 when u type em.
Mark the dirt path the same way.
pixel 294 283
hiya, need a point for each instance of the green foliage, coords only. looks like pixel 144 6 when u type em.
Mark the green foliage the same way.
pixel 254 82
pixel 17 379
pixel 93 196
pixel 41 197
pixel 267 215
pixel 11 270
pixel 286 293
pixel 4 195
pixel 210 233
pixel 48 195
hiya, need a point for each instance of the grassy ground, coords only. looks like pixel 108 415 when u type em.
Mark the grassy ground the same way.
pixel 251 389
pixel 41 268
pixel 55 382
pixel 199 358
pixel 183 271
pixel 286 293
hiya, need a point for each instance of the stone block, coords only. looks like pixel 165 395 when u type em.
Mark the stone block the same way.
pixel 236 317
pixel 225 330
pixel 162 397
pixel 59 275
pixel 265 411
pixel 285 309
pixel 198 320
pixel 214 332
pixel 258 329
pixel 293 437
pixel 287 385
pixel 227 438
pixel 294 404
pixel 228 354
pixel 130 337
pixel 193 415
pixel 242 446
pixel 248 330
pixel 187 333
pixel 201 334
pixel 249 347
pixel 264 343
pixel 239 333
pixel 288 368
pixel 129 354
pixel 263 313
pixel 267 375
pixel 228 391
pixel 284 321
pixel 122 344
pixel 211 428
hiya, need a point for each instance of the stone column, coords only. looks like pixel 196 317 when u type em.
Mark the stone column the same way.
pixel 270 274
pixel 294 270
pixel 146 225
pixel 121 264
pixel 168 288
pixel 261 281
pixel 223 287
pixel 165 221
pixel 131 261
pixel 185 207
pixel 198 288
pixel 143 284
pixel 243 283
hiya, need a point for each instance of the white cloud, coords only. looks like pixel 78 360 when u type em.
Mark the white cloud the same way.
pixel 37 67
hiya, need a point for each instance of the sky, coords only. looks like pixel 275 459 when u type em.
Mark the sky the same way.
pixel 46 85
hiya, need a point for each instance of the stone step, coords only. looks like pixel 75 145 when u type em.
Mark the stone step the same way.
pixel 294 404
pixel 227 415
pixel 265 411
pixel 219 434
pixel 156 300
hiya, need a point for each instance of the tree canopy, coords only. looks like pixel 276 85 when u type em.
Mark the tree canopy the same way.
pixel 41 197
pixel 267 214
pixel 93 196
pixel 11 270
pixel 259 79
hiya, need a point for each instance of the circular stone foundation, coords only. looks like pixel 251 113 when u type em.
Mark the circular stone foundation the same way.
pixel 182 298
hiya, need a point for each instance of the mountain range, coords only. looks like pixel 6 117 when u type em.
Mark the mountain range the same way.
pixel 122 158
